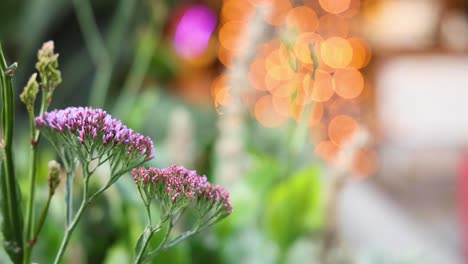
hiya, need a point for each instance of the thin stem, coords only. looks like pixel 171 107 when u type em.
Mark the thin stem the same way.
pixel 32 192
pixel 166 236
pixel 69 230
pixel 35 135
pixel 42 219
pixel 173 242
pixel 11 197
pixel 140 258
pixel 97 193
pixel 69 194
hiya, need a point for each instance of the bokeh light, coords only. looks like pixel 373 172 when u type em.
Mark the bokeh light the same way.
pixel 361 53
pixel 327 151
pixel 278 11
pixel 336 52
pixel 320 89
pixel 348 83
pixel 364 163
pixel 335 6
pixel 266 114
pixel 302 19
pixel 333 26
pixel 236 11
pixel 341 129
pixel 229 35
pixel 193 32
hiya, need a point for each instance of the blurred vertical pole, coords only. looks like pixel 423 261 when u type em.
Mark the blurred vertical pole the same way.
pixel 180 141
pixel 230 155
pixel 462 200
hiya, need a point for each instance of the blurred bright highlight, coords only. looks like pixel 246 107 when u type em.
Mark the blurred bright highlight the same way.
pixel 194 31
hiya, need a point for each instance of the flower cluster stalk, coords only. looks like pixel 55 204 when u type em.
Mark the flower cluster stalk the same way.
pixel 69 229
pixel 47 66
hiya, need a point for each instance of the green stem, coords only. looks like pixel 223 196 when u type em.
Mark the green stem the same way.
pixel 69 194
pixel 35 135
pixel 174 242
pixel 69 229
pixel 166 236
pixel 140 257
pixel 30 207
pixel 11 197
pixel 42 219
pixel 32 191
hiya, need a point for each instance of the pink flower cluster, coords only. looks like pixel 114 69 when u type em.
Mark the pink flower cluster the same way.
pixel 95 126
pixel 176 183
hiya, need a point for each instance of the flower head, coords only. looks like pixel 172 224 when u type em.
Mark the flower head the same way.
pixel 92 134
pixel 176 187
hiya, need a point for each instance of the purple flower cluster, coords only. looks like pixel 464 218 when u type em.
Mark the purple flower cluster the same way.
pixel 94 127
pixel 179 185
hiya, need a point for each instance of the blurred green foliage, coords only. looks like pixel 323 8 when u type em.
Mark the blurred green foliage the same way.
pixel 294 207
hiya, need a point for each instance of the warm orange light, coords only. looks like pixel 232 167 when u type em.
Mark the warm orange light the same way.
pixel 335 6
pixel 287 88
pixel 336 52
pixel 341 129
pixel 348 83
pixel 258 3
pixel 220 91
pixel 278 66
pixel 282 105
pixel 271 83
pixel 320 89
pixel 236 11
pixel 333 26
pixel 364 163
pixel 297 111
pixel 257 74
pixel 353 9
pixel 230 33
pixel 225 56
pixel 302 19
pixel 303 45
pixel 317 132
pixel 327 151
pixel 361 53
pixel 279 11
pixel 316 114
pixel 266 114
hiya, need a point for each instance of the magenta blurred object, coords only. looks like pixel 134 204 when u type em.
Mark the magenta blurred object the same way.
pixel 194 31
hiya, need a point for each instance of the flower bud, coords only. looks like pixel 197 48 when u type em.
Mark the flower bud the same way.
pixel 28 96
pixel 47 66
pixel 54 175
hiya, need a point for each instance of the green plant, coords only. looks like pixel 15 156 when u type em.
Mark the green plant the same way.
pixel 86 138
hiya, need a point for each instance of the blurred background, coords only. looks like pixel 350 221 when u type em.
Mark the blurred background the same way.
pixel 337 125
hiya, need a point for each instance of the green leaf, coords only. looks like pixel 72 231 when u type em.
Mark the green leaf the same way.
pixel 294 207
